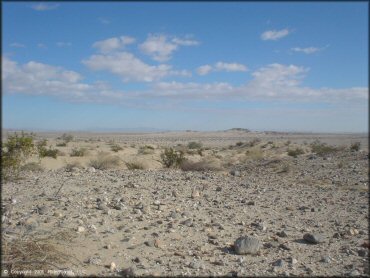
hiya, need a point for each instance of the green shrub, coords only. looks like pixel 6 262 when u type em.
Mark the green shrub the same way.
pixel 322 149
pixel 134 165
pixel 104 161
pixel 355 147
pixel 78 152
pixel 66 137
pixel 295 152
pixel 15 151
pixel 116 148
pixel 44 152
pixel 172 158
pixel 194 145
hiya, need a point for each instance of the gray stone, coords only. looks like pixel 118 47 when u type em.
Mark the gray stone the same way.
pixel 235 173
pixel 279 263
pixel 313 238
pixel 247 245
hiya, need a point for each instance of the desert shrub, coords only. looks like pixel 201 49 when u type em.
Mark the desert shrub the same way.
pixel 78 152
pixel 32 167
pixel 104 161
pixel 239 144
pixel 254 154
pixel 116 148
pixel 146 150
pixel 254 142
pixel 172 158
pixel 134 165
pixel 66 137
pixel 355 147
pixel 194 145
pixel 61 144
pixel 14 152
pixel 322 149
pixel 295 152
pixel 75 164
pixel 203 165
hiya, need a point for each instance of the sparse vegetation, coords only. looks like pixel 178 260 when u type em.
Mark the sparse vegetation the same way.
pixel 134 166
pixel 254 142
pixel 32 167
pixel 44 152
pixel 296 152
pixel 116 148
pixel 194 145
pixel 71 165
pixel 105 161
pixel 254 154
pixel 66 137
pixel 62 144
pixel 14 153
pixel 322 149
pixel 172 158
pixel 355 147
pixel 78 152
pixel 146 150
pixel 203 165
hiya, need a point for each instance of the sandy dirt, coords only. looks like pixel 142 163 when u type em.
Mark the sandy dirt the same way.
pixel 309 213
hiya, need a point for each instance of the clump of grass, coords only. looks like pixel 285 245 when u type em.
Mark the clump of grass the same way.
pixel 116 148
pixel 105 161
pixel 78 152
pixel 296 152
pixel 172 158
pixel 32 167
pixel 355 147
pixel 146 150
pixel 194 145
pixel 134 166
pixel 254 142
pixel 322 149
pixel 254 154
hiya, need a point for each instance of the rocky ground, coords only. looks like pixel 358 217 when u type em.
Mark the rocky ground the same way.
pixel 304 215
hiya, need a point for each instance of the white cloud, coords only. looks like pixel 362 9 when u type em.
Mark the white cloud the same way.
pixel 104 21
pixel 307 50
pixel 161 47
pixel 18 45
pixel 130 68
pixel 272 82
pixel 44 7
pixel 203 70
pixel 221 66
pixel 114 43
pixel 274 34
pixel 41 45
pixel 63 44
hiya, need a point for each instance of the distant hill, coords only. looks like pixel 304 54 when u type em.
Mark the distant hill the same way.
pixel 239 129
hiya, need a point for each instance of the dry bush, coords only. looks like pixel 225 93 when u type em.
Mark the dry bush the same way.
pixel 78 152
pixel 355 147
pixel 134 166
pixel 195 145
pixel 203 165
pixel 75 164
pixel 105 161
pixel 172 158
pixel 146 150
pixel 32 167
pixel 116 148
pixel 31 252
pixel 296 152
pixel 254 154
pixel 322 149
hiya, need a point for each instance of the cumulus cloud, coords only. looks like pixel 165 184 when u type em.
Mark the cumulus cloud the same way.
pixel 274 35
pixel 44 7
pixel 113 44
pixel 307 50
pixel 160 47
pixel 221 66
pixel 130 68
pixel 272 82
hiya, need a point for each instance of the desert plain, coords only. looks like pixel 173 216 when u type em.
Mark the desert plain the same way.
pixel 108 205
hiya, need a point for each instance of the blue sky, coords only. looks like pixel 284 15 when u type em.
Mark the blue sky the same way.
pixel 285 66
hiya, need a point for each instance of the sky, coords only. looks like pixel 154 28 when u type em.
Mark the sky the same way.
pixel 284 66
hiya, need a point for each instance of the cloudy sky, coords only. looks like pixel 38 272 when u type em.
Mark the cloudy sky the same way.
pixel 176 66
